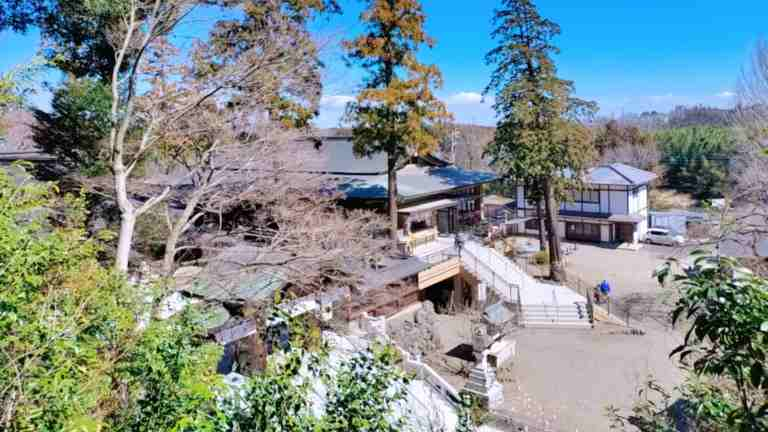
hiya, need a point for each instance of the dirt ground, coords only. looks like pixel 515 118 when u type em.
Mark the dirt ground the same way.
pixel 563 380
pixel 626 271
pixel 575 375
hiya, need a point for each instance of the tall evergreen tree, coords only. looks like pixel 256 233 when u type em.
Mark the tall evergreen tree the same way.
pixel 538 137
pixel 396 110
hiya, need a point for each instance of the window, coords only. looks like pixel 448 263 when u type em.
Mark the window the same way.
pixel 586 196
pixel 582 231
pixel 590 196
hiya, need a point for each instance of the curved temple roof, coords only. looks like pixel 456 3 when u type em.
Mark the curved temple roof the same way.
pixel 366 177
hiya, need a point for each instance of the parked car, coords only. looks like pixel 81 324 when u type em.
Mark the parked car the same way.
pixel 664 237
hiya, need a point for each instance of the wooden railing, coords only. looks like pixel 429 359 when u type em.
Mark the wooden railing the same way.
pixel 422 237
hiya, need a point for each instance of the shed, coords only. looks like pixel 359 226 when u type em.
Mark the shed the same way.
pixel 675 220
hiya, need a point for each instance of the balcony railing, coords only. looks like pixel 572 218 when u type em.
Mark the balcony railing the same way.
pixel 578 213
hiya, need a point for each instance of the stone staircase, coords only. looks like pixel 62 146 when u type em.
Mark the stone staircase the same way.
pixel 541 304
pixel 572 315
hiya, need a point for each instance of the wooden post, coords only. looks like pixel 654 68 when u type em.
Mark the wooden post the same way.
pixel 590 306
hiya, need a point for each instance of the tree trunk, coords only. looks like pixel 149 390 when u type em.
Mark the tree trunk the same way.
pixel 169 257
pixel 176 229
pixel 392 196
pixel 127 225
pixel 540 217
pixel 556 268
pixel 127 216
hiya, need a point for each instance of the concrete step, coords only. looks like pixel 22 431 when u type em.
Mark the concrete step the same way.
pixel 551 306
pixel 558 325
pixel 551 312
pixel 553 317
pixel 572 316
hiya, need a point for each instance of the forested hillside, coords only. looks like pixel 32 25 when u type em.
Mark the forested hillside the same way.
pixel 692 149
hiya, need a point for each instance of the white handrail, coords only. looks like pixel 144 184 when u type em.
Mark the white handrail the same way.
pixel 432 377
pixel 489 275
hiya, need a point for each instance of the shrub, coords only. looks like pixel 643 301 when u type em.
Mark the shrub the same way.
pixel 541 257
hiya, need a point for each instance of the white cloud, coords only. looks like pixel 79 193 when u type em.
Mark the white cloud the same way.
pixel 465 98
pixel 662 98
pixel 335 101
pixel 726 94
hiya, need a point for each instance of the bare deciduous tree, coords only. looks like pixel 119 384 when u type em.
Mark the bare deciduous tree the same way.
pixel 465 144
pixel 262 64
pixel 274 215
pixel 647 157
pixel 744 220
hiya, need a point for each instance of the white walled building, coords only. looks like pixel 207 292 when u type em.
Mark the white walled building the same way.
pixel 612 206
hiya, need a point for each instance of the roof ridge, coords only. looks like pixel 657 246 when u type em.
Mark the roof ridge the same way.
pixel 612 167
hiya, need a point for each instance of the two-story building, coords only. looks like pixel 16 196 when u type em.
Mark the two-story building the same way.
pixel 612 206
pixel 434 196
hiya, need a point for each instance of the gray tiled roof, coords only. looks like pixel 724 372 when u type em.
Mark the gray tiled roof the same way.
pixel 414 181
pixel 392 270
pixel 246 286
pixel 619 174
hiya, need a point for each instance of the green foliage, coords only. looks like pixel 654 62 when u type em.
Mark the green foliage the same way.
pixel 727 307
pixel 361 391
pixel 697 159
pixel 63 316
pixel 726 310
pixel 465 423
pixel 702 406
pixel 537 137
pixel 78 348
pixel 8 94
pixel 365 393
pixel 287 86
pixel 19 15
pixel 77 125
pixel 397 110
pixel 278 399
pixel 471 414
pixel 16 85
pixel 175 376
pixel 539 141
pixel 73 31
pixel 541 257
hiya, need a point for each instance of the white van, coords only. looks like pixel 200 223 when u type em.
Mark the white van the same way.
pixel 663 237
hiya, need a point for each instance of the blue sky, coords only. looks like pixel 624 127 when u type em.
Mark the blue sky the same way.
pixel 628 56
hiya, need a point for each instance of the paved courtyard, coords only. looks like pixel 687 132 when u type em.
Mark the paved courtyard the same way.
pixel 627 271
pixel 562 379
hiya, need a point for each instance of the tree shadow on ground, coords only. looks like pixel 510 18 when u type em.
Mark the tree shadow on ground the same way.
pixel 462 352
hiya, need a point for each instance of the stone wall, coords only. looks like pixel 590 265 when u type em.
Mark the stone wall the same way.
pixel 417 335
